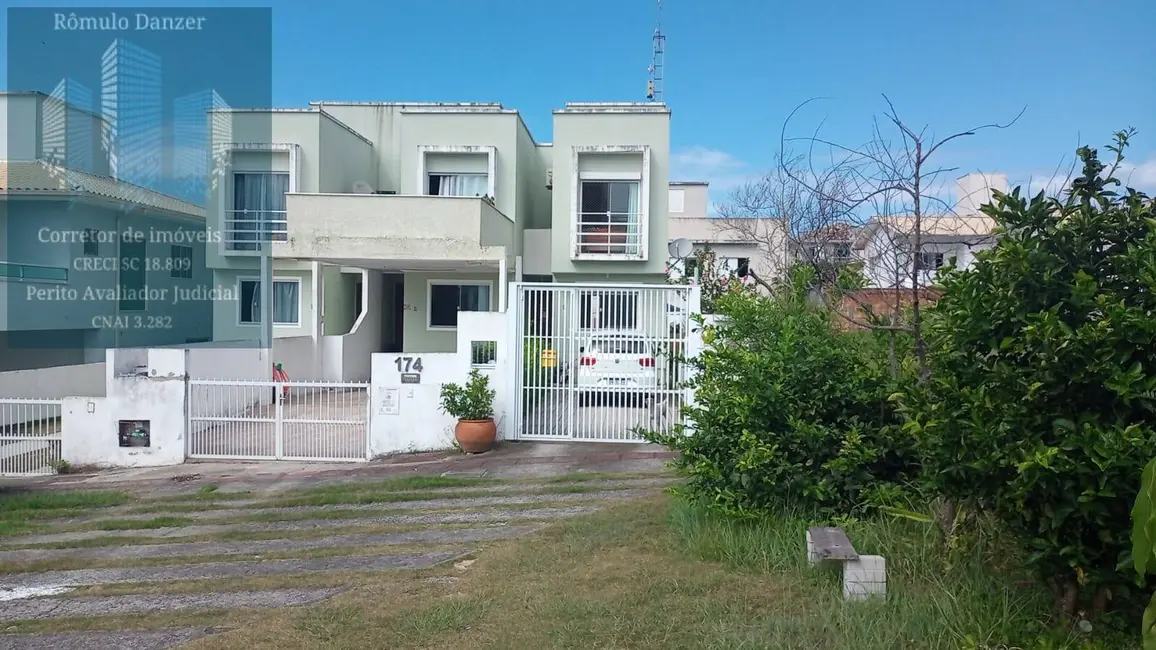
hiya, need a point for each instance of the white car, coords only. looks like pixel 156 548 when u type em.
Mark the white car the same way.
pixel 616 362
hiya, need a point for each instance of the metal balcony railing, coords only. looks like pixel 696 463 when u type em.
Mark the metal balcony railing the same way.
pixel 609 233
pixel 12 272
pixel 246 230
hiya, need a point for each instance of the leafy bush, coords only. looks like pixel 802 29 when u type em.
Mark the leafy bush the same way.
pixel 474 401
pixel 789 411
pixel 1042 402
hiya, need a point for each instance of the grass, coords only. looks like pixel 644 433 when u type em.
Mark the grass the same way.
pixel 25 511
pixel 649 573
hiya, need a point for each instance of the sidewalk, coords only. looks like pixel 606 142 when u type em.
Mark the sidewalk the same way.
pixel 507 460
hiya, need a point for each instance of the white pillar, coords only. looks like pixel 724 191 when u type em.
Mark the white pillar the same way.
pixel 518 268
pixel 503 283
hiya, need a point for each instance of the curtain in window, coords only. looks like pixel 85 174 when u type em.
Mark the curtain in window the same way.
pixel 634 226
pixel 463 185
pixel 474 298
pixel 285 302
pixel 259 208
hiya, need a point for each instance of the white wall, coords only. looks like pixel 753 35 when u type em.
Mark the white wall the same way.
pixel 85 380
pixel 419 424
pixel 89 425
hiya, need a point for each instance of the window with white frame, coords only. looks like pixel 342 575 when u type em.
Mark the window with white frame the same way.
pixel 609 217
pixel 456 174
pixel 929 260
pixel 258 213
pixel 457 184
pixel 286 301
pixel 446 299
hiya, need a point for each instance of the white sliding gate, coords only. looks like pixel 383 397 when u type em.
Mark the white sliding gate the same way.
pixel 596 361
pixel 29 436
pixel 278 420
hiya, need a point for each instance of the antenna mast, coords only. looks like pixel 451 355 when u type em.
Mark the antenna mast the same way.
pixel 654 85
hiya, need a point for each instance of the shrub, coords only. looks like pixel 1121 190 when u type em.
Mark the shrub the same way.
pixel 1042 401
pixel 474 401
pixel 789 411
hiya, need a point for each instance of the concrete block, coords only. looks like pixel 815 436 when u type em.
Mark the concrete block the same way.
pixel 865 577
pixel 812 556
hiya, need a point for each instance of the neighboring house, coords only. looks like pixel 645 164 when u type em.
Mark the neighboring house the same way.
pixel 88 262
pixel 755 245
pixel 886 245
pixel 387 219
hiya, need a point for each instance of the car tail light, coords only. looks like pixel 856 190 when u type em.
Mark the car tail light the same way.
pixel 646 362
pixel 587 361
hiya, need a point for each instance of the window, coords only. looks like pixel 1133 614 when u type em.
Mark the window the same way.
pixel 258 213
pixel 446 299
pixel 91 245
pixel 286 302
pixel 743 267
pixel 181 262
pixel 842 252
pixel 609 218
pixel 930 259
pixel 677 201
pixel 691 267
pixel 608 310
pixel 132 276
pixel 457 184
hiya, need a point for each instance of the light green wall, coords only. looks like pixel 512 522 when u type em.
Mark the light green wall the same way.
pixel 338 296
pixel 608 129
pixel 344 157
pixel 416 336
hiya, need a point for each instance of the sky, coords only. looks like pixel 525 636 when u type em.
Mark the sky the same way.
pixel 736 69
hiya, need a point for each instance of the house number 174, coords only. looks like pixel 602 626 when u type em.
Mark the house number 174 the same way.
pixel 407 364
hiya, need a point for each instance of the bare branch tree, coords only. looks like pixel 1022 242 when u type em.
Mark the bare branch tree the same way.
pixel 880 208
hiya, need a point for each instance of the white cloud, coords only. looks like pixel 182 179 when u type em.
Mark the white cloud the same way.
pixel 1141 176
pixel 723 171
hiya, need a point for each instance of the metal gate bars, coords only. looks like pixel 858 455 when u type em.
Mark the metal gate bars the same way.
pixel 597 362
pixel 278 420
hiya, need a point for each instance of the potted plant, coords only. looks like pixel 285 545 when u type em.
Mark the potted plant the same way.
pixel 473 406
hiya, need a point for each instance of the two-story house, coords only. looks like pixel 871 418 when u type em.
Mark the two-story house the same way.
pixel 740 246
pixel 88 262
pixel 385 220
pixel 886 245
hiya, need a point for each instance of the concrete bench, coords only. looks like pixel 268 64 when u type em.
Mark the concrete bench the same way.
pixel 863 575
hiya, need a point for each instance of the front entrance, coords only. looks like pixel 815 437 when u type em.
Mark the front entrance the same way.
pixel 597 361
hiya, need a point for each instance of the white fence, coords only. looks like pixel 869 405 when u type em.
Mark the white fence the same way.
pixel 30 438
pixel 274 420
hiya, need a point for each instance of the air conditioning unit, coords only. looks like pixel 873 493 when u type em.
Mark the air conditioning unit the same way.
pixel 550 178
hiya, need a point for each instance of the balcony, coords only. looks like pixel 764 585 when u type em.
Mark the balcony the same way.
pixel 369 230
pixel 245 230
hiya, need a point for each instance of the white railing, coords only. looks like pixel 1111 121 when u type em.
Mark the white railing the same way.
pixel 609 233
pixel 276 420
pixel 246 230
pixel 13 272
pixel 30 442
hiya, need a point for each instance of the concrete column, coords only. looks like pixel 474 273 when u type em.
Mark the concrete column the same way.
pixel 503 284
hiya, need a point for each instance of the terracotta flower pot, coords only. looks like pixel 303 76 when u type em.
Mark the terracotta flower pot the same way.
pixel 476 436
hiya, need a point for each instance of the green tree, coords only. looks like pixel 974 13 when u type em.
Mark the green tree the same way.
pixel 1042 402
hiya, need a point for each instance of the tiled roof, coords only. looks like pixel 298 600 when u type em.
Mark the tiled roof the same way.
pixel 38 176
